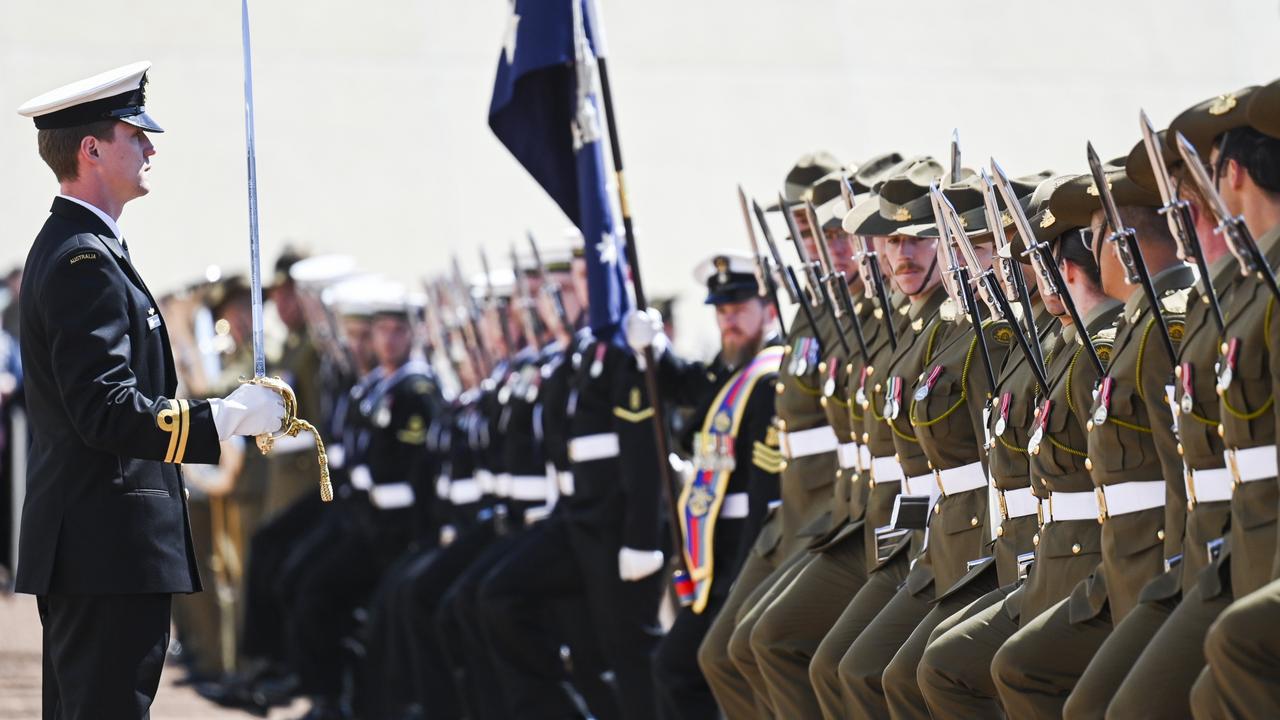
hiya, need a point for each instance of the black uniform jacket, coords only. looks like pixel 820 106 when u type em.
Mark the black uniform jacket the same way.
pixel 105 510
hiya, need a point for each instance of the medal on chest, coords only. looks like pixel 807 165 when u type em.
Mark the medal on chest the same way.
pixel 1187 402
pixel 1104 401
pixel 597 363
pixel 893 398
pixel 833 369
pixel 1227 366
pixel 923 391
pixel 1002 414
pixel 382 416
pixel 861 395
pixel 1041 422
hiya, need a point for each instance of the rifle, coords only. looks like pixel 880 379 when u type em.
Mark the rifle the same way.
pixel 962 286
pixel 1178 212
pixel 469 321
pixel 1125 241
pixel 817 290
pixel 989 288
pixel 836 285
pixel 1015 284
pixel 525 304
pixel 764 276
pixel 1239 240
pixel 550 287
pixel 792 283
pixel 491 301
pixel 869 262
pixel 1045 265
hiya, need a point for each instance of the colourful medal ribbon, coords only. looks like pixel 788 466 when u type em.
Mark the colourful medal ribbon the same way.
pixel 1229 365
pixel 1104 401
pixel 923 391
pixel 1002 421
pixel 833 369
pixel 1188 392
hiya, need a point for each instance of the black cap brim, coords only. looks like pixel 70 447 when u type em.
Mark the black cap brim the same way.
pixel 144 121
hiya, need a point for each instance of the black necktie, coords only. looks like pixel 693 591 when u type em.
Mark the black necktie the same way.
pixel 125 247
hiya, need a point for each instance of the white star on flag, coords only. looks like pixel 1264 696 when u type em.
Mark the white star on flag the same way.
pixel 509 45
pixel 608 249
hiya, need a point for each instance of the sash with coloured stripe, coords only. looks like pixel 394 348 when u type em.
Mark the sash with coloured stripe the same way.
pixel 699 503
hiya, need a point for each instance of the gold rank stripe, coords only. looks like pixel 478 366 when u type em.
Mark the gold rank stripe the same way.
pixel 633 417
pixel 184 425
pixel 761 449
pixel 766 458
pixel 168 421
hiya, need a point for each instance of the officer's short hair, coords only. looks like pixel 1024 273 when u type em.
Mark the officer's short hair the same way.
pixel 1070 247
pixel 1148 223
pixel 1257 153
pixel 60 147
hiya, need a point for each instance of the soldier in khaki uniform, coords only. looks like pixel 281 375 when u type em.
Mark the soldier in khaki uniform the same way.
pixel 805 488
pixel 1132 460
pixel 954 672
pixel 1242 654
pixel 1171 653
pixel 788 630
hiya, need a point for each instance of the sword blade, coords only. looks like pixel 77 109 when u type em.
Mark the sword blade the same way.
pixel 255 252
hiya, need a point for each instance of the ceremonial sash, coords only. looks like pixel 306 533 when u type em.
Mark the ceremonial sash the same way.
pixel 699 503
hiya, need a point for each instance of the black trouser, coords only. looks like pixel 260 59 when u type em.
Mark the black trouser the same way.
pixel 532 603
pixel 269 549
pixel 102 654
pixel 682 690
pixel 385 684
pixel 624 615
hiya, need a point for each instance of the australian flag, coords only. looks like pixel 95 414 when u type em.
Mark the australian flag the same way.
pixel 545 110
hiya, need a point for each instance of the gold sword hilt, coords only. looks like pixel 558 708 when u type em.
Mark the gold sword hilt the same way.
pixel 291 426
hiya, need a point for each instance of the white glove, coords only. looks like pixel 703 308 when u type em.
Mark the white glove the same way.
pixel 644 330
pixel 638 564
pixel 250 410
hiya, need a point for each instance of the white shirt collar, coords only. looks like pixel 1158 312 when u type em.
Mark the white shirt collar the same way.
pixel 111 224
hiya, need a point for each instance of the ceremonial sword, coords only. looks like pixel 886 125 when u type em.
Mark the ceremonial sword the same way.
pixel 292 425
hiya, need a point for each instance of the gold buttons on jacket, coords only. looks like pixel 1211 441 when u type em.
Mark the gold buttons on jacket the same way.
pixel 1000 531
pixel 1160 534
pixel 973 521
pixel 780 387
pixel 1075 548
pixel 1035 539
pixel 1088 464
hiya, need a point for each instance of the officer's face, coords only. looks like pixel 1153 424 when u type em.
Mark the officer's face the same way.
pixel 1109 265
pixel 840 243
pixel 578 269
pixel 123 163
pixel 391 339
pixel 358 333
pixel 742 327
pixel 911 260
pixel 806 233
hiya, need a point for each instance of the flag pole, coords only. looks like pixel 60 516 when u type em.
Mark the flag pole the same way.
pixel 650 366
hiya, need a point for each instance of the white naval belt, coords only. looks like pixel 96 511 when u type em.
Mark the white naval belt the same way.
pixel 1251 464
pixel 803 443
pixel 735 506
pixel 1129 497
pixel 961 479
pixel 459 491
pixel 850 455
pixel 885 469
pixel 564 480
pixel 920 485
pixel 361 478
pixel 526 488
pixel 391 496
pixel 601 446
pixel 486 481
pixel 1212 485
pixel 1018 503
pixel 1063 506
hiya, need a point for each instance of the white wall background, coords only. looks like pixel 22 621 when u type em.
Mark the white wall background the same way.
pixel 372 136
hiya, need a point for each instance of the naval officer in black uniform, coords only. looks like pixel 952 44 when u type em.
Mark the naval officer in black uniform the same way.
pixel 106 539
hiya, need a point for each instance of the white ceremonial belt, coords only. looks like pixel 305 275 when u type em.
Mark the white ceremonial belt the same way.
pixel 1072 506
pixel 464 491
pixel 391 496
pixel 804 443
pixel 527 488
pixel 594 447
pixel 502 485
pixel 486 481
pixel 442 487
pixel 303 441
pixel 361 478
pixel 1252 464
pixel 864 455
pixel 1130 497
pixel 962 479
pixel 920 485
pixel 886 469
pixel 1209 485
pixel 1017 503
pixel 565 481
pixel 849 455
pixel 735 506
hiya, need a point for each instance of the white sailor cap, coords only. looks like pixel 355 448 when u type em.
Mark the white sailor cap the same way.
pixel 502 280
pixel 366 296
pixel 729 276
pixel 322 270
pixel 118 94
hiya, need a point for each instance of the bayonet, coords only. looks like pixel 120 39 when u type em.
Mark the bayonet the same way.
pixel 873 287
pixel 963 289
pixel 955 157
pixel 1007 269
pixel 526 305
pixel 491 302
pixel 1178 213
pixel 816 287
pixel 469 320
pixel 765 285
pixel 1232 227
pixel 1045 265
pixel 1125 242
pixel 989 287
pixel 292 425
pixel 837 286
pixel 785 273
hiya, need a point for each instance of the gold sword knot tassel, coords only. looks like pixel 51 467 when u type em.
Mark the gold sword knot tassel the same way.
pixel 291 426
